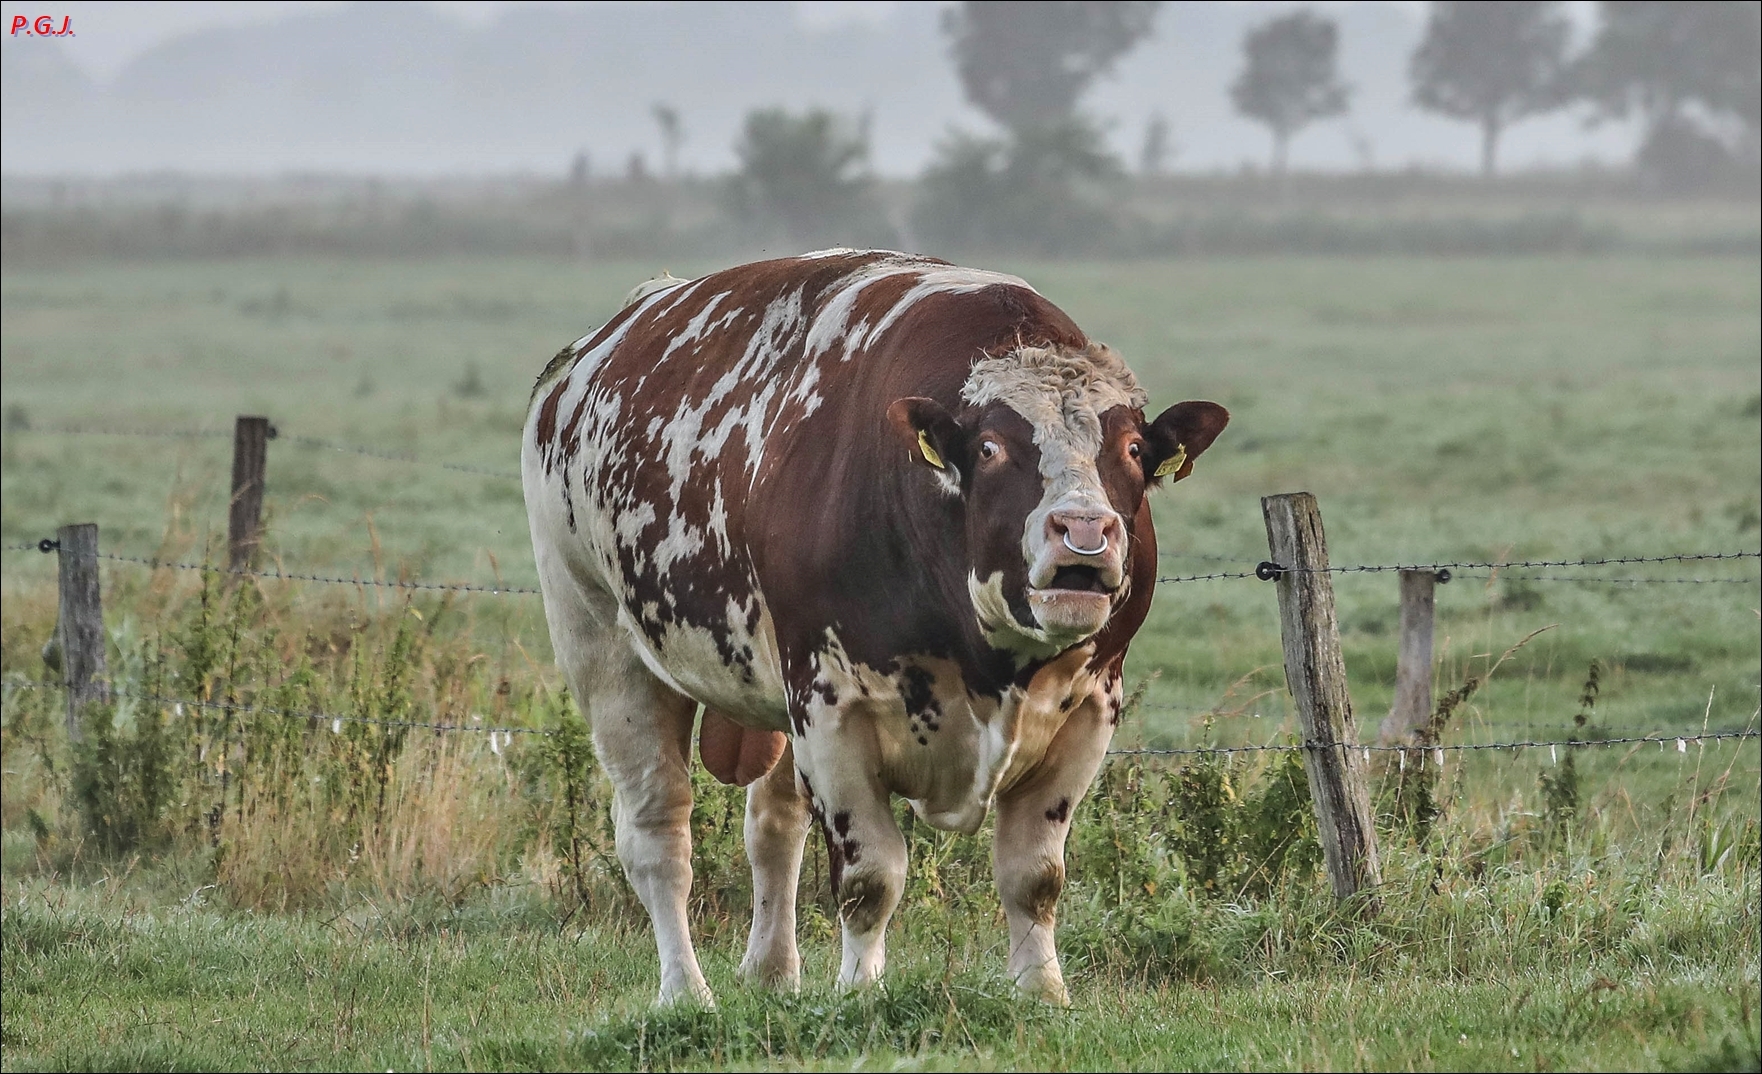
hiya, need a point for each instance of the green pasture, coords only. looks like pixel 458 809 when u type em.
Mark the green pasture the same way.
pixel 1485 977
pixel 1442 410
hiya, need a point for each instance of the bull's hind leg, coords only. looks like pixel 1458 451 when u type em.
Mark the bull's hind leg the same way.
pixel 1033 819
pixel 642 737
pixel 776 829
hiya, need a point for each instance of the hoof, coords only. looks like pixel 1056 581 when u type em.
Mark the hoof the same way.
pixel 1047 988
pixel 776 978
pixel 694 995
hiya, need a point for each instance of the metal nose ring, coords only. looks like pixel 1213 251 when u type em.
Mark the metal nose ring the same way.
pixel 1085 551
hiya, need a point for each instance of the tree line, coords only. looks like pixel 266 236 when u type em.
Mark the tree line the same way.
pixel 1043 179
pixel 1687 70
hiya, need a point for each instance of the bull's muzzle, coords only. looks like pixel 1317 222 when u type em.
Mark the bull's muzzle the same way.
pixel 1082 549
pixel 1077 569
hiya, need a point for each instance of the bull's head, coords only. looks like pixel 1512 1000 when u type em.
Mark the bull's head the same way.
pixel 1051 457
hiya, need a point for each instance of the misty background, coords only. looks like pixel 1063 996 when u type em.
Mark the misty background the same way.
pixel 432 90
pixel 627 129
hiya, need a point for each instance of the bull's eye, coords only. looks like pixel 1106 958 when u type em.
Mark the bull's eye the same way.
pixel 989 449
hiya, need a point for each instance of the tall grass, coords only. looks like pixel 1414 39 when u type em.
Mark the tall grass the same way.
pixel 297 766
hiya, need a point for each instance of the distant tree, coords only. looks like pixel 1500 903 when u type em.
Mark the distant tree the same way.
pixel 807 172
pixel 1027 65
pixel 1157 149
pixel 1289 79
pixel 1657 57
pixel 1493 62
pixel 1046 191
pixel 672 137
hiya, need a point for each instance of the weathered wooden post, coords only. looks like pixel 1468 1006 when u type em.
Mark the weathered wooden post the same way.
pixel 1316 674
pixel 1413 666
pixel 79 625
pixel 244 527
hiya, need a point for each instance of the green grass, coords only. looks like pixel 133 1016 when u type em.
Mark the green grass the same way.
pixel 1441 409
pixel 1620 970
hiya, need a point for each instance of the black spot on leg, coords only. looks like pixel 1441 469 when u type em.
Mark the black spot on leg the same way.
pixel 1060 813
pixel 922 741
pixel 827 692
pixel 862 904
pixel 834 861
pixel 1039 896
pixel 841 822
pixel 835 856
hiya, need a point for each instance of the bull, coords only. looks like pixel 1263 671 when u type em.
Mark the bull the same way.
pixel 883 519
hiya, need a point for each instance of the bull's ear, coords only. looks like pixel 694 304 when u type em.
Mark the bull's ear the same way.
pixel 1179 435
pixel 931 434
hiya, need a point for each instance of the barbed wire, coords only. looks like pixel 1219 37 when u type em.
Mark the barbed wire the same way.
pixel 394 456
pixel 1616 581
pixel 462 587
pixel 1528 564
pixel 1437 752
pixel 1207 577
pixel 157 434
pixel 1462 747
pixel 274 434
pixel 272 710
pixel 1268 571
pixel 47 545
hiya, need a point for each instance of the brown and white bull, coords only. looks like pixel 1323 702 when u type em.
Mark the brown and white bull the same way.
pixel 884 519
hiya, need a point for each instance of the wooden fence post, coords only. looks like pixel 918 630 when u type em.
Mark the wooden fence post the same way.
pixel 79 625
pixel 1316 674
pixel 1413 667
pixel 244 527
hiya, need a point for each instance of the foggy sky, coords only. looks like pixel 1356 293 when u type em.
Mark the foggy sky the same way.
pixel 483 88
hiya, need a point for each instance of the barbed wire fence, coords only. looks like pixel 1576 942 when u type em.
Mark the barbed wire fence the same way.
pixel 335 720
pixel 1299 566
pixel 274 433
pixel 1264 571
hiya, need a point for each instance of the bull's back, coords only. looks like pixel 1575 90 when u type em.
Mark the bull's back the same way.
pixel 652 451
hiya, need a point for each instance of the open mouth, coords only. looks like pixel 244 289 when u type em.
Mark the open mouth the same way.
pixel 1078 577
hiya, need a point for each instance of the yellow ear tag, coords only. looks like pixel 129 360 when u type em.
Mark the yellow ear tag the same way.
pixel 930 455
pixel 1173 462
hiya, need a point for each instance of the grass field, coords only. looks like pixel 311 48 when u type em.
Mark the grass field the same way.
pixel 1440 409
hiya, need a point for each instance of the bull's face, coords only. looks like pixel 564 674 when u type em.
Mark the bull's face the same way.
pixel 1051 457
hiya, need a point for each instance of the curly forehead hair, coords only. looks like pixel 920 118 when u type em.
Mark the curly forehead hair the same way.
pixel 1062 382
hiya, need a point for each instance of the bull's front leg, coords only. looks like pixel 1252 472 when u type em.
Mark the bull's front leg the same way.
pixel 866 854
pixel 1033 820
